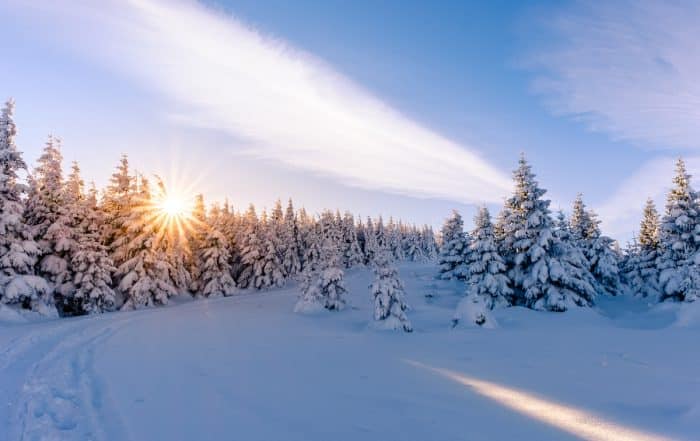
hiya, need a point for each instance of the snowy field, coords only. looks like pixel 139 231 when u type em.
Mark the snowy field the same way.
pixel 248 368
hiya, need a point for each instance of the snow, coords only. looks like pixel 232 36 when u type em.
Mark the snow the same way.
pixel 246 367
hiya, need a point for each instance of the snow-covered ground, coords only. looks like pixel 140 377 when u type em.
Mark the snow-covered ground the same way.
pixel 248 368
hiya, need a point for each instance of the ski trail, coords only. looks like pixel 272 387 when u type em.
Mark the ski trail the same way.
pixel 61 396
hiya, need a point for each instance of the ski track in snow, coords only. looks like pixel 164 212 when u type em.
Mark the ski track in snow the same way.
pixel 60 396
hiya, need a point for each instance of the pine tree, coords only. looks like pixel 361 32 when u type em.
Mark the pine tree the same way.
pixel 145 274
pixel 214 269
pixel 291 260
pixel 388 294
pixel 272 273
pixel 18 250
pixel 117 204
pixel 428 243
pixel 415 250
pixel 352 253
pixel 538 262
pixel 646 274
pixel 371 242
pixel 487 269
pixel 173 241
pixel 680 236
pixel 261 267
pixel 323 286
pixel 48 214
pixel 598 249
pixel 453 252
pixel 92 265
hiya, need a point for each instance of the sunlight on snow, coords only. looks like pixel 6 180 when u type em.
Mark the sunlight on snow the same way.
pixel 567 418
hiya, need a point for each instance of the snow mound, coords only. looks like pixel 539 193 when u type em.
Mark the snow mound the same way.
pixel 391 323
pixel 472 312
pixel 308 307
pixel 688 315
pixel 11 315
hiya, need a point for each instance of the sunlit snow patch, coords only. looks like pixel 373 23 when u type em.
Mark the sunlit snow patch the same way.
pixel 575 421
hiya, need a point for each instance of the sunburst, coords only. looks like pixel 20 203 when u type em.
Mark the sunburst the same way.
pixel 169 213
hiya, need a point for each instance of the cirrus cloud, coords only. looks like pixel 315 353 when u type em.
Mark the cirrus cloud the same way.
pixel 277 101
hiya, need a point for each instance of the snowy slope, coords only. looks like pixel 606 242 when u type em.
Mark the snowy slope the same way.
pixel 247 368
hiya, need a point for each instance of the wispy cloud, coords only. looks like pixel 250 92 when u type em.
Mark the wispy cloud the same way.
pixel 622 211
pixel 627 68
pixel 278 102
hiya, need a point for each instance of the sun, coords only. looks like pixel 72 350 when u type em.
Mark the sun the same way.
pixel 174 206
pixel 170 214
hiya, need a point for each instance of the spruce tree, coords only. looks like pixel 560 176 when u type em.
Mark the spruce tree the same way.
pixel 454 248
pixel 388 294
pixel 428 243
pixel 647 282
pixel 117 204
pixel 18 251
pixel 352 253
pixel 371 242
pixel 598 249
pixel 323 286
pixel 214 269
pixel 679 276
pixel 145 272
pixel 92 265
pixel 48 214
pixel 486 268
pixel 291 259
pixel 538 261
pixel 488 285
pixel 271 264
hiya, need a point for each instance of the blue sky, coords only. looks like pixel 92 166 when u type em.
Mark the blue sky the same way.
pixel 395 108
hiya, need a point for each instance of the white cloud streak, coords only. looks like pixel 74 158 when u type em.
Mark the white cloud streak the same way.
pixel 622 211
pixel 280 103
pixel 627 68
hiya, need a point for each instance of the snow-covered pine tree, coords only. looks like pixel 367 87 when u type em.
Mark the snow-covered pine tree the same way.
pixel 488 285
pixel 173 242
pixel 352 253
pixel 598 249
pixel 430 248
pixel 453 252
pixel 271 264
pixel 646 284
pixel 380 234
pixel 371 243
pixel 276 233
pixel 18 251
pixel 388 294
pixel 679 276
pixel 313 240
pixel 486 268
pixel 291 260
pixel 117 206
pixel 323 286
pixel 195 238
pixel 537 263
pixel 48 215
pixel 91 263
pixel 214 268
pixel 145 274
pixel 413 245
pixel 251 248
pixel 394 239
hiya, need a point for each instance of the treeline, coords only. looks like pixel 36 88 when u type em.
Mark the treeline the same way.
pixel 528 257
pixel 662 262
pixel 68 250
